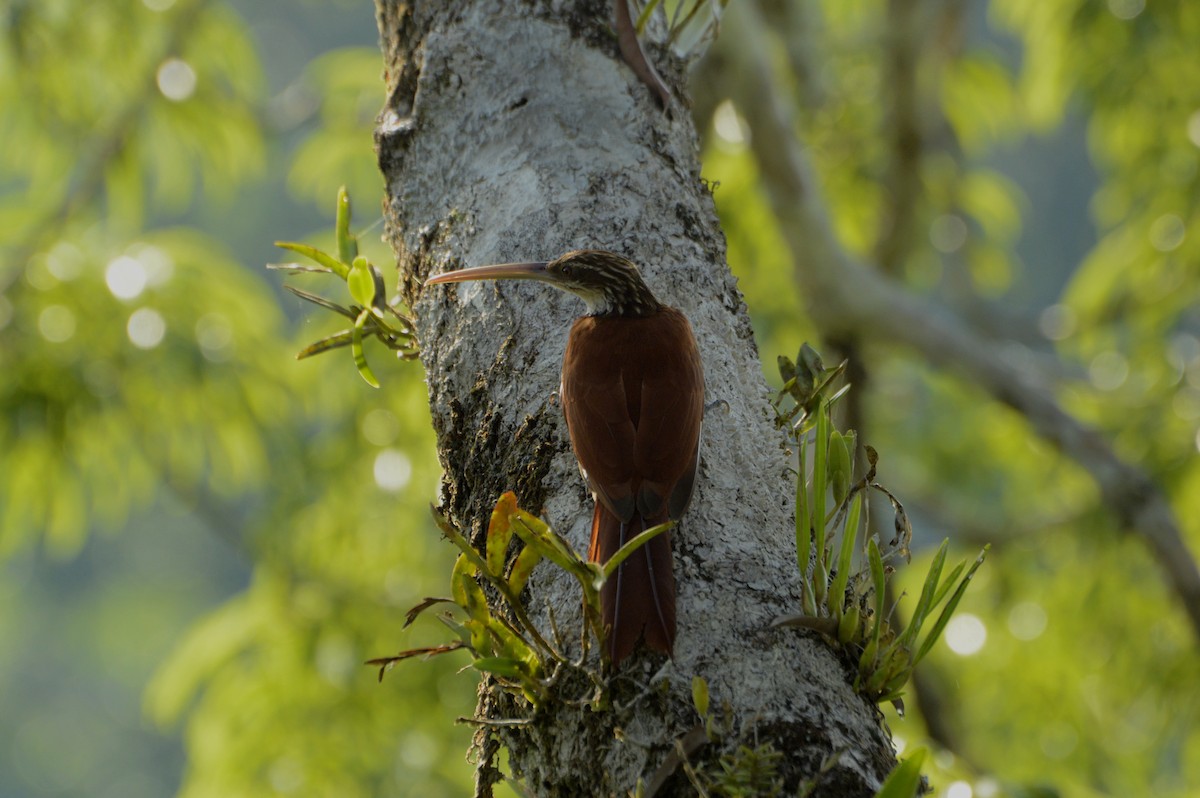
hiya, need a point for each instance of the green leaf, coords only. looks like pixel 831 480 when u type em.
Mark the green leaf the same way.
pixel 534 532
pixel 500 532
pixel 501 666
pixel 509 642
pixel 522 569
pixel 946 584
pixel 948 610
pixel 787 369
pixel 379 304
pixel 905 779
pixel 312 253
pixel 347 244
pixel 839 467
pixel 700 695
pixel 361 282
pixel 926 599
pixel 459 630
pixel 879 584
pixel 820 485
pixel 837 592
pixel 335 341
pixel 466 590
pixel 644 17
pixel 356 348
pixel 317 299
pixel 848 626
pixel 804 531
pixel 820 476
pixel 632 545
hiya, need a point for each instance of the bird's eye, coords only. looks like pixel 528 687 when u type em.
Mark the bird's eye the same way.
pixel 566 270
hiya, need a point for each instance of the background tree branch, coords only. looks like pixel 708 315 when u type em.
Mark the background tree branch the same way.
pixel 845 295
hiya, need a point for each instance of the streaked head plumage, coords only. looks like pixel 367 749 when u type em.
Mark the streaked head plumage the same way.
pixel 609 284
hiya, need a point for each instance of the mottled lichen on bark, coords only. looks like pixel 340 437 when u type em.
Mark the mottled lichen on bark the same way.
pixel 526 137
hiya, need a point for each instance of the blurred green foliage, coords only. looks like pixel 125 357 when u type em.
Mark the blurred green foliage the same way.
pixel 190 519
pixel 1086 681
pixel 150 392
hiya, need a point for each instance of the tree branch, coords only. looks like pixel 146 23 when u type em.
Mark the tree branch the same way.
pixel 846 295
pixel 106 146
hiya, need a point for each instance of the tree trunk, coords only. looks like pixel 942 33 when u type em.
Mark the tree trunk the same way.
pixel 514 131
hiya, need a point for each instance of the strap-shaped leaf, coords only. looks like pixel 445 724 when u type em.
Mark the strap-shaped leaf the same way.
pixel 948 610
pixel 356 347
pixel 837 593
pixel 312 253
pixel 347 244
pixel 905 779
pixel 632 545
pixel 522 569
pixel 500 532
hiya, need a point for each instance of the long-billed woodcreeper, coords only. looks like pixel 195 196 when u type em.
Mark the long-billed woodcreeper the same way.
pixel 633 396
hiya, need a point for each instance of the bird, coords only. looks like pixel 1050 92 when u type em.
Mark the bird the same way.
pixel 632 393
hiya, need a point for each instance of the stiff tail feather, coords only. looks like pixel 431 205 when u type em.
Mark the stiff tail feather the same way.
pixel 638 602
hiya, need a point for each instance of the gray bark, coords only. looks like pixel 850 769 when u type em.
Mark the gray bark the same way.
pixel 513 131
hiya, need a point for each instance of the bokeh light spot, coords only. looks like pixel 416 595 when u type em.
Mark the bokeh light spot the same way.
pixel 1058 740
pixel 1057 322
pixel 126 277
pixel 987 787
pixel 393 470
pixel 1126 9
pixel 176 79
pixel 158 263
pixel 214 334
pixel 965 634
pixel 1185 403
pixel 1027 620
pixel 38 274
pixel 1183 351
pixel 1193 128
pixel 56 323
pixel 336 659
pixel 1108 370
pixel 419 751
pixel 1167 232
pixel 728 124
pixel 146 328
pixel 286 775
pixel 959 789
pixel 380 427
pixel 948 233
pixel 65 261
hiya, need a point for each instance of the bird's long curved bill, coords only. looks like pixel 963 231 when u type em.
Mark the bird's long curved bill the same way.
pixel 503 271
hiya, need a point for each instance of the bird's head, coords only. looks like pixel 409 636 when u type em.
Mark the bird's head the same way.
pixel 609 284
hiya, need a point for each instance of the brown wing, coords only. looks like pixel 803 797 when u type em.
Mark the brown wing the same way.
pixel 633 396
pixel 668 429
pixel 598 421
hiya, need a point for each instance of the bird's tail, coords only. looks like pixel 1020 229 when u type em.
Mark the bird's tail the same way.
pixel 638 601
